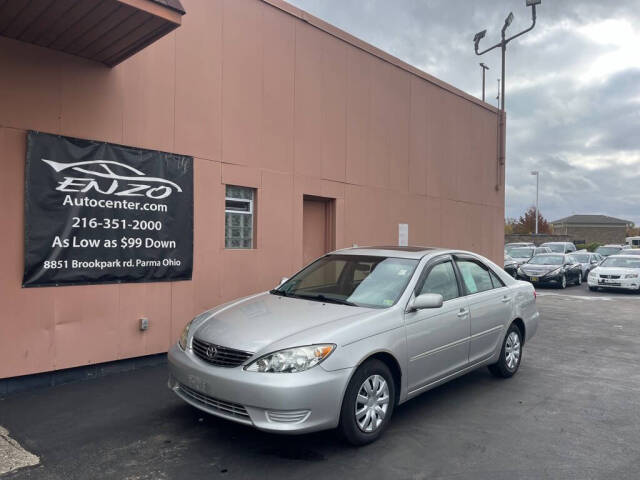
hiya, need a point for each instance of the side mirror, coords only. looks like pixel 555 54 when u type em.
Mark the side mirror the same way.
pixel 282 280
pixel 426 300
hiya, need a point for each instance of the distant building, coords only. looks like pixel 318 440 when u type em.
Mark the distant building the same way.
pixel 592 228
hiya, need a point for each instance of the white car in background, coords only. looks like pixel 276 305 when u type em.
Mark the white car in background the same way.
pixel 616 271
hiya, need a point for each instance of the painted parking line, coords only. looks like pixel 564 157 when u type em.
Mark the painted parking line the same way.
pixel 12 455
pixel 585 297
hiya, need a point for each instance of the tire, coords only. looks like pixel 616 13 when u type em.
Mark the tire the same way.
pixel 563 282
pixel 510 358
pixel 354 427
pixel 593 289
pixel 579 279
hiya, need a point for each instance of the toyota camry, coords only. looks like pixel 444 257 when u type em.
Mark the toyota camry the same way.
pixel 350 337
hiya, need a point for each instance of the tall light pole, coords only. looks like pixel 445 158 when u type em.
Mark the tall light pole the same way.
pixel 484 69
pixel 503 46
pixel 537 174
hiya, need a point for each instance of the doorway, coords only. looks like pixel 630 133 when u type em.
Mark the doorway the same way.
pixel 318 227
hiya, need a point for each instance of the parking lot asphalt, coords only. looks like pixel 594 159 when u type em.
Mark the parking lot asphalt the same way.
pixel 572 412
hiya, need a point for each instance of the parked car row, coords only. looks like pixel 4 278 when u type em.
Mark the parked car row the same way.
pixel 559 264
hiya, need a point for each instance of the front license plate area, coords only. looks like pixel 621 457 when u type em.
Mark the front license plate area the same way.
pixel 534 279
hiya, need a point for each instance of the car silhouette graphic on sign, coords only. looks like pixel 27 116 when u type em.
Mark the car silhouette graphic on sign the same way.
pixel 109 177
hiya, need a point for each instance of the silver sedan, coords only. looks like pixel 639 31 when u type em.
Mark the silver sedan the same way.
pixel 350 337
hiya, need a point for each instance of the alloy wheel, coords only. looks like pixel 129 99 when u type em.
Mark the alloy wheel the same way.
pixel 512 350
pixel 372 403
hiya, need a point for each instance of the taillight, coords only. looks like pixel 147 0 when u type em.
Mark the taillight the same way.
pixel 535 295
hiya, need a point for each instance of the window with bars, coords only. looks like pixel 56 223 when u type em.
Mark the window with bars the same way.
pixel 238 212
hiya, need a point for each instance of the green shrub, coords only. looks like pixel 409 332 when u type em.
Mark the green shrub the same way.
pixel 580 246
pixel 592 246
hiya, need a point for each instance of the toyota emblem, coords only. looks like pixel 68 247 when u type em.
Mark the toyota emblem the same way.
pixel 211 351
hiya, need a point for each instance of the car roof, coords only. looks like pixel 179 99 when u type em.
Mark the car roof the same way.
pixel 390 251
pixel 556 243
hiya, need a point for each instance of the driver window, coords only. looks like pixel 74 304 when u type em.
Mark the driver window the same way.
pixel 441 279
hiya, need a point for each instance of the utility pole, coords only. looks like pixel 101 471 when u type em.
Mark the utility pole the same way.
pixel 484 69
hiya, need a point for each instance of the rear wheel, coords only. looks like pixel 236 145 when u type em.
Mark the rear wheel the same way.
pixel 593 289
pixel 368 403
pixel 510 355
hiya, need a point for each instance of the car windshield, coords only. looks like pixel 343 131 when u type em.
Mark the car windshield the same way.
pixel 547 260
pixel 555 247
pixel 608 250
pixel 582 257
pixel 522 252
pixel 364 281
pixel 621 262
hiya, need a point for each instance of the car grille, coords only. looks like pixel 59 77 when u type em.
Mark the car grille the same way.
pixel 228 408
pixel 218 355
pixel 613 277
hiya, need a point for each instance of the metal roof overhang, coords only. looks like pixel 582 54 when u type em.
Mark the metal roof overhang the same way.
pixel 106 31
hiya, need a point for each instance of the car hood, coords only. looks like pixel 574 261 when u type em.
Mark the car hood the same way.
pixel 538 269
pixel 253 323
pixel 615 270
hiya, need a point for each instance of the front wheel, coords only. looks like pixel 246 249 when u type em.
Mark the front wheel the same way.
pixel 368 403
pixel 579 279
pixel 593 289
pixel 510 355
pixel 563 281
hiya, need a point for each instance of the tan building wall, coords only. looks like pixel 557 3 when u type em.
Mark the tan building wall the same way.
pixel 261 99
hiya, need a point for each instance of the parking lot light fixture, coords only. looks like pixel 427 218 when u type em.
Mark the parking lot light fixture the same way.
pixel 484 70
pixel 503 46
pixel 537 174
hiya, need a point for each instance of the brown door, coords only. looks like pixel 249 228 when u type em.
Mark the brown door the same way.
pixel 317 227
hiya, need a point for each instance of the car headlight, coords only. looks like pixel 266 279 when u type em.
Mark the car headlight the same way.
pixel 592 274
pixel 183 336
pixel 291 360
pixel 557 271
pixel 631 275
pixel 520 272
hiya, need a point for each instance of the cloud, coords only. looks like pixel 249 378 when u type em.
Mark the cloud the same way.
pixel 573 87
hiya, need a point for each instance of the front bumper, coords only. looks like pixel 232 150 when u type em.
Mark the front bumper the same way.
pixel 618 283
pixel 277 402
pixel 542 280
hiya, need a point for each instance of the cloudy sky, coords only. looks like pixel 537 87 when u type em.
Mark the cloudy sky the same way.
pixel 573 87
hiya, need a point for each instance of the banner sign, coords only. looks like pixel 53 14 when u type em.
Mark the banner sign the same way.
pixel 97 212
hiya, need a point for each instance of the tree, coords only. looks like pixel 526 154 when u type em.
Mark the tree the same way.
pixel 509 224
pixel 527 223
pixel 633 231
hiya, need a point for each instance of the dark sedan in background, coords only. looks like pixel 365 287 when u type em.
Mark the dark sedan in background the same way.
pixel 551 269
pixel 510 266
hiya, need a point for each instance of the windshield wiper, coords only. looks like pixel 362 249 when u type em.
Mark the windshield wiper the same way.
pixel 322 298
pixel 280 293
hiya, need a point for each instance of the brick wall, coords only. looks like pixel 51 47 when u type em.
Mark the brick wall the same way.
pixel 537 239
pixel 604 235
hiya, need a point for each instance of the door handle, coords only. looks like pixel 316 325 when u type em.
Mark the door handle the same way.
pixel 506 299
pixel 463 312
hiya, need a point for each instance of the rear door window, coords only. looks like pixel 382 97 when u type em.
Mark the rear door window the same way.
pixel 476 278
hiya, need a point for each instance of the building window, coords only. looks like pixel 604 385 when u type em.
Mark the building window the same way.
pixel 239 220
